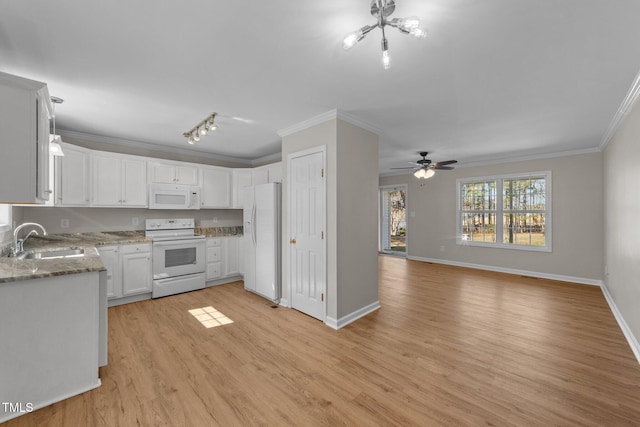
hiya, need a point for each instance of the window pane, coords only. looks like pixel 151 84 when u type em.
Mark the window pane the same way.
pixel 523 194
pixel 524 229
pixel 479 227
pixel 478 196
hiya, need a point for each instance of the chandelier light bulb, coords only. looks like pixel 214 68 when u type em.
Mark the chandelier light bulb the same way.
pixel 350 40
pixel 203 130
pixel 429 173
pixel 190 140
pixel 420 33
pixel 213 126
pixel 408 23
pixel 386 60
pixel 196 137
pixel 419 173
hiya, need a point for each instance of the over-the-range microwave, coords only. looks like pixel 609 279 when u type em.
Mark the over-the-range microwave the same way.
pixel 173 196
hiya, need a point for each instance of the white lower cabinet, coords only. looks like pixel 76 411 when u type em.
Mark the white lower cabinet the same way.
pixel 223 257
pixel 136 268
pixel 214 258
pixel 128 269
pixel 111 260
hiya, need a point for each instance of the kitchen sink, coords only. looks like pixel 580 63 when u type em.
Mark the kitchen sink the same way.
pixel 58 253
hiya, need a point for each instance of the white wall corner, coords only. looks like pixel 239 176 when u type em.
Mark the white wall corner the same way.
pixel 625 107
pixel 631 339
pixel 351 317
pixel 329 115
pixel 315 120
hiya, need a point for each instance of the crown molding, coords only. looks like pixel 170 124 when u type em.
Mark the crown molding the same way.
pixel 324 117
pixel 147 146
pixel 531 157
pixel 625 107
pixel 265 160
pixel 511 160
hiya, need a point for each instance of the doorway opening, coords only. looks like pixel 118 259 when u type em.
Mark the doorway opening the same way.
pixel 393 220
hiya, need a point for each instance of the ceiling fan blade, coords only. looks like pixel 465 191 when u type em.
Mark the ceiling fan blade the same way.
pixel 447 162
pixel 444 168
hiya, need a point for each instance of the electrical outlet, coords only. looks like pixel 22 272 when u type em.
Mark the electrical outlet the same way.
pixel 215 219
pixel 64 223
pixel 135 220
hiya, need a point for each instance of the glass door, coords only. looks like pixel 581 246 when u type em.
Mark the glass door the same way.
pixel 393 220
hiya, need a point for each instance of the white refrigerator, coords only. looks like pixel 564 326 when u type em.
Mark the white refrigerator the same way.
pixel 261 240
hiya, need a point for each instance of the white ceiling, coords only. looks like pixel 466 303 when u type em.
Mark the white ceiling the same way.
pixel 494 79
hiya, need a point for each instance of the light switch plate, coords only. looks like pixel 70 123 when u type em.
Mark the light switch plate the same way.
pixel 64 223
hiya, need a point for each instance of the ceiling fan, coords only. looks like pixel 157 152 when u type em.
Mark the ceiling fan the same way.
pixel 425 168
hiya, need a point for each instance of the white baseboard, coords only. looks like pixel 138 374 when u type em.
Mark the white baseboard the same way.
pixel 284 302
pixel 351 317
pixel 631 339
pixel 572 279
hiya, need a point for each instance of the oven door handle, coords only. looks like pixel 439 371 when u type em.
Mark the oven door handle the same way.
pixel 179 242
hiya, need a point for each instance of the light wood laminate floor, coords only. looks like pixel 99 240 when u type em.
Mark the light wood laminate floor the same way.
pixel 450 346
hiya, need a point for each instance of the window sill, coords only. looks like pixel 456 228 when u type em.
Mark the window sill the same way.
pixel 503 246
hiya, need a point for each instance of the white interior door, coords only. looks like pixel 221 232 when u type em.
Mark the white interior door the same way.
pixel 307 207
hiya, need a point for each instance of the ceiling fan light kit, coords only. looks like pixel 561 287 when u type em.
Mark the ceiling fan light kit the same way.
pixel 425 168
pixel 381 10
pixel 203 128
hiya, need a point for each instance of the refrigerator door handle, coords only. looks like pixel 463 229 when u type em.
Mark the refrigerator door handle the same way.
pixel 254 229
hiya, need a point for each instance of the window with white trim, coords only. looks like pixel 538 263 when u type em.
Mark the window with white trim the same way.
pixel 506 211
pixel 5 217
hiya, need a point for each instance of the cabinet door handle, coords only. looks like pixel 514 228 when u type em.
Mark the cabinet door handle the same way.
pixel 292 241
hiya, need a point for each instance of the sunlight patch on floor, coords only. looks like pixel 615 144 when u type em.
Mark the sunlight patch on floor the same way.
pixel 210 317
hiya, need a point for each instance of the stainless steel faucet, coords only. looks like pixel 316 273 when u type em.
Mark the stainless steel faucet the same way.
pixel 18 244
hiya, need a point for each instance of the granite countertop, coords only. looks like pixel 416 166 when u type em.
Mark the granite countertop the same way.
pixel 13 269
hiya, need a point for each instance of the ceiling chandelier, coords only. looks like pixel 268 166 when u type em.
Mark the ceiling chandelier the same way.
pixel 202 128
pixel 381 9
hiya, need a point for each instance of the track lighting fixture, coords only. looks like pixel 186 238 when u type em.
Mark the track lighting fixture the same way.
pixel 203 128
pixel 381 9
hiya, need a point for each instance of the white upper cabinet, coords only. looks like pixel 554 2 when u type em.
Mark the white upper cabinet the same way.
pixel 241 178
pixel 173 173
pixel 267 173
pixel 25 111
pixel 72 176
pixel 260 175
pixel 275 172
pixel 118 181
pixel 216 187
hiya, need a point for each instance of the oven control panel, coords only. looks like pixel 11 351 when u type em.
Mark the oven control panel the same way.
pixel 169 224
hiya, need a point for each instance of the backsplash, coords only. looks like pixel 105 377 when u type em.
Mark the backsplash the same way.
pixel 219 231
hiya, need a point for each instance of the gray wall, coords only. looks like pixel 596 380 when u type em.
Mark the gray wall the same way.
pixel 357 218
pixel 577 242
pixel 622 215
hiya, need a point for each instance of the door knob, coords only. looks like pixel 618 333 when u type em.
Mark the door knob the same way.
pixel 292 241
